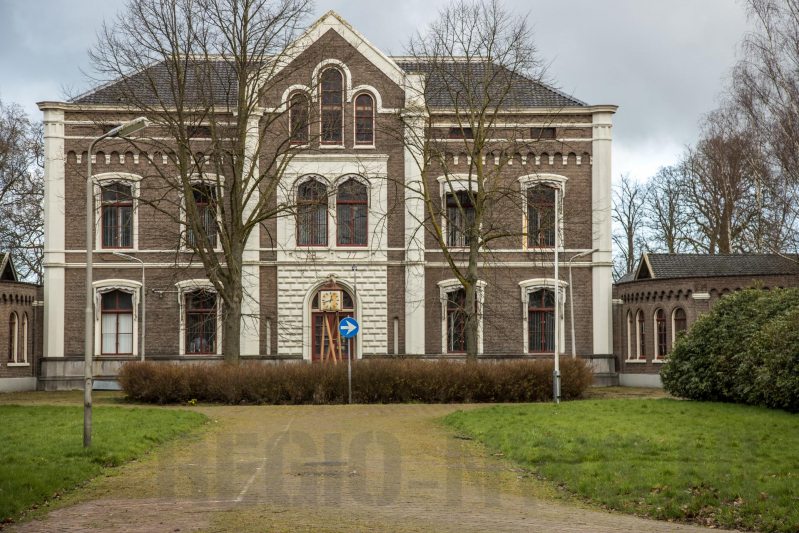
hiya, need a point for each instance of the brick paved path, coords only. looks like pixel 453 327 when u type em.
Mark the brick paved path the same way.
pixel 326 468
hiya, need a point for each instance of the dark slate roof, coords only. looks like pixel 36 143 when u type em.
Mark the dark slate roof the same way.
pixel 524 92
pixel 206 80
pixel 215 80
pixel 629 276
pixel 671 266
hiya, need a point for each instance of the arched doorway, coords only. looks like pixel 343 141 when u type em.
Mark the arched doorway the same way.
pixel 329 305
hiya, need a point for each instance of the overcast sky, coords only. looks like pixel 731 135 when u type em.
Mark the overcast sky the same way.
pixel 661 61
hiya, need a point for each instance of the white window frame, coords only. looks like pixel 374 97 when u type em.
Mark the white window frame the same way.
pixel 531 285
pixel 188 286
pixel 346 97
pixel 369 91
pixel 630 318
pixel 452 285
pixel 24 337
pixel 15 349
pixel 552 180
pixel 656 355
pixel 370 227
pixel 639 313
pixel 674 325
pixel 108 178
pixel 331 211
pixel 214 180
pixel 453 184
pixel 109 285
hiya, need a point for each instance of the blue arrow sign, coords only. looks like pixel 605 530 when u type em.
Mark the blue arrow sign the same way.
pixel 348 327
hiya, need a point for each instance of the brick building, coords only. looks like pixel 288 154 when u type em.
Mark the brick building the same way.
pixel 404 288
pixel 668 292
pixel 20 336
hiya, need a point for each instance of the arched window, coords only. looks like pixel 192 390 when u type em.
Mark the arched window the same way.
pixel 25 338
pixel 540 216
pixel 200 322
pixel 12 338
pixel 332 107
pixel 541 321
pixel 312 214
pixel 116 323
pixel 117 215
pixel 205 199
pixel 630 332
pixel 460 214
pixel 298 119
pixel 660 322
pixel 680 323
pixel 364 120
pixel 456 321
pixel 352 213
pixel 641 335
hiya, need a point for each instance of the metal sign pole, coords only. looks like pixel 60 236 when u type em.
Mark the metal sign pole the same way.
pixel 352 348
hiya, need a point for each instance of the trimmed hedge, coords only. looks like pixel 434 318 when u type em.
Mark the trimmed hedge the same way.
pixel 746 350
pixel 374 381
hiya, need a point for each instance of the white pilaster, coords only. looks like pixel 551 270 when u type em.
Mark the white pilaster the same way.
pixel 54 236
pixel 601 181
pixel 415 117
pixel 251 272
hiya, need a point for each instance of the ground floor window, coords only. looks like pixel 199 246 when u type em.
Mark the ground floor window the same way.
pixel 116 325
pixel 12 337
pixel 680 323
pixel 641 336
pixel 660 321
pixel 456 321
pixel 201 324
pixel 541 321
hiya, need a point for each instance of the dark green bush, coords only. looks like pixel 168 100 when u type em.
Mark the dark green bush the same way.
pixel 726 354
pixel 373 381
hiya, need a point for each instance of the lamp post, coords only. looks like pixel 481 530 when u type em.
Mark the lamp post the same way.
pixel 124 130
pixel 571 295
pixel 143 298
pixel 556 374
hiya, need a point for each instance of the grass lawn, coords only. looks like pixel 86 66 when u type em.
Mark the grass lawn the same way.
pixel 720 464
pixel 41 447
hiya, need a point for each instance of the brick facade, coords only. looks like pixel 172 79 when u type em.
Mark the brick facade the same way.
pixel 287 274
pixel 19 368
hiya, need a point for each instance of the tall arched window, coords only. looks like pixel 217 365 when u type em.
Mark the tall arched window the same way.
pixel 352 213
pixel 541 321
pixel 641 335
pixel 364 120
pixel 540 216
pixel 456 321
pixel 630 333
pixel 460 213
pixel 200 322
pixel 117 323
pixel 332 107
pixel 12 338
pixel 205 199
pixel 312 214
pixel 25 338
pixel 660 322
pixel 298 119
pixel 680 323
pixel 117 215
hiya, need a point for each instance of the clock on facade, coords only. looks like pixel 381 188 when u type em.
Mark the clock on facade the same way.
pixel 331 300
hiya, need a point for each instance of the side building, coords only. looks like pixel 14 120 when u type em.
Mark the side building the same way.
pixel 668 292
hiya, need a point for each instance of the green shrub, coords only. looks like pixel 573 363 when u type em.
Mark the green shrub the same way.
pixel 373 381
pixel 727 354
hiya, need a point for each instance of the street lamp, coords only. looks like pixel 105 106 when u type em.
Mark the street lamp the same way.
pixel 556 373
pixel 571 295
pixel 143 298
pixel 124 130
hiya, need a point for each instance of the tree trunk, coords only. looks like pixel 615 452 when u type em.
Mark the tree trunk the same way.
pixel 231 323
pixel 470 307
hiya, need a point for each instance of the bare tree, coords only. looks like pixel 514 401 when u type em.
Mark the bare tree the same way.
pixel 207 73
pixel 765 89
pixel 21 190
pixel 629 206
pixel 478 60
pixel 666 212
